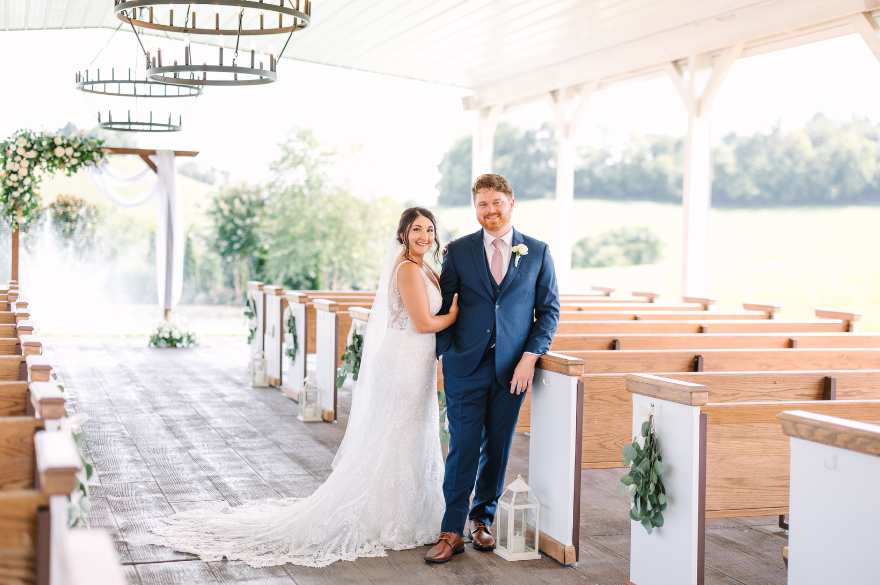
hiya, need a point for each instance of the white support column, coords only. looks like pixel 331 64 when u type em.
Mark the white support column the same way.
pixel 867 27
pixel 484 140
pixel 568 109
pixel 698 91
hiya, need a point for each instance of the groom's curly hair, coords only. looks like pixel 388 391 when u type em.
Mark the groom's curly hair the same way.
pixel 407 219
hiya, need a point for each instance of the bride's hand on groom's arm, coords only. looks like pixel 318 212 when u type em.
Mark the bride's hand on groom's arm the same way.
pixel 523 374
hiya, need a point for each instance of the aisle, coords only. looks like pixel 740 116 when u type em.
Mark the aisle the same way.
pixel 172 430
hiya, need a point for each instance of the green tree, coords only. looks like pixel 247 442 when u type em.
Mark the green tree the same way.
pixel 236 212
pixel 320 235
pixel 454 187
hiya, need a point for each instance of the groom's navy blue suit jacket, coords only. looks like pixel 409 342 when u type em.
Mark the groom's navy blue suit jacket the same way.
pixel 521 314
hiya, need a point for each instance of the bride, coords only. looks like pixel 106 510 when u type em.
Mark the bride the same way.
pixel 385 491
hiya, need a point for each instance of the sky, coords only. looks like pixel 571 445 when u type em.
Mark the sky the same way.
pixel 402 127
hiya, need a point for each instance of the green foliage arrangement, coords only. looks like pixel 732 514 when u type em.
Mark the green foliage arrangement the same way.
pixel 624 246
pixel 250 312
pixel 26 152
pixel 74 220
pixel 291 328
pixel 173 332
pixel 351 360
pixel 78 512
pixel 644 483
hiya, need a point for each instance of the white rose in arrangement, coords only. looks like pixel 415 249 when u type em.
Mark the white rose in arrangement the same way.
pixel 68 151
pixel 13 177
pixel 57 140
pixel 27 181
pixel 17 158
pixel 21 141
pixel 20 150
pixel 32 154
pixel 27 196
pixel 25 163
pixel 59 151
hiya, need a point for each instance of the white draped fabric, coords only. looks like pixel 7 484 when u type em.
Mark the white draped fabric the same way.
pixel 170 238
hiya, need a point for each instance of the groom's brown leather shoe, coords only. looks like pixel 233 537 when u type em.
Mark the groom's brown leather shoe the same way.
pixel 481 538
pixel 449 543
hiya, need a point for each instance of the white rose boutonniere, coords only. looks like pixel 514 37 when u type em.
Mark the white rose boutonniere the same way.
pixel 520 251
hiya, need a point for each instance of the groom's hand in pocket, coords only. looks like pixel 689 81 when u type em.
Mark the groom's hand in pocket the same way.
pixel 523 374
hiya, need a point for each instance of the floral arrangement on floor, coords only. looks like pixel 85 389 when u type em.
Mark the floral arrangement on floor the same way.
pixel 173 332
pixel 25 152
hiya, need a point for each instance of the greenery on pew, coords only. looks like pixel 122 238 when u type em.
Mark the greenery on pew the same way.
pixel 643 483
pixel 78 514
pixel 351 360
pixel 291 329
pixel 251 313
pixel 444 430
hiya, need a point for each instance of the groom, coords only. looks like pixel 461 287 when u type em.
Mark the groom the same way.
pixel 508 312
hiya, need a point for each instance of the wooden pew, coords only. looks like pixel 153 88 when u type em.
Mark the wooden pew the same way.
pixel 697 341
pixel 273 337
pixel 567 305
pixel 625 315
pixel 87 554
pixel 327 354
pixel 255 293
pixel 32 516
pixel 693 326
pixel 726 360
pixel 725 460
pixel 831 458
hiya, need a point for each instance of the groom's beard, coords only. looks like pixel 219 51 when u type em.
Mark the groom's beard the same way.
pixel 495 224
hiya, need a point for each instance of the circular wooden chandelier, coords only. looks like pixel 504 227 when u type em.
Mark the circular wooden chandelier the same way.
pixel 128 87
pixel 194 75
pixel 139 125
pixel 159 15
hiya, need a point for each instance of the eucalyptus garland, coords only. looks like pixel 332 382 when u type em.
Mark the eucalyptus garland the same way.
pixel 644 483
pixel 444 430
pixel 251 313
pixel 291 328
pixel 26 152
pixel 78 512
pixel 351 360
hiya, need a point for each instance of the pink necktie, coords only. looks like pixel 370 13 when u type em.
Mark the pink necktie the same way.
pixel 495 267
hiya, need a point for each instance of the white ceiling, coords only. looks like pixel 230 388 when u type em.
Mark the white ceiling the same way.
pixel 510 48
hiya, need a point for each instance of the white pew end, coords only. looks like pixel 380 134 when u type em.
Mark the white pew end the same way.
pixel 833 460
pixel 674 553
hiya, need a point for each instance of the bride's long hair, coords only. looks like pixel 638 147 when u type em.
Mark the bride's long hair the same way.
pixel 407 219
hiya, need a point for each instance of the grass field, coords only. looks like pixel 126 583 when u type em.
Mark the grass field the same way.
pixel 801 257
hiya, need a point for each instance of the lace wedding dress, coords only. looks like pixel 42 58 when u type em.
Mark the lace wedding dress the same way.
pixel 385 491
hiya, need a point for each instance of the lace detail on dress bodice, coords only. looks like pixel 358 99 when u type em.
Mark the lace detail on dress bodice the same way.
pixel 398 318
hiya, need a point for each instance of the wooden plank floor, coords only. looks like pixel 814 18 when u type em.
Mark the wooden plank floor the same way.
pixel 171 430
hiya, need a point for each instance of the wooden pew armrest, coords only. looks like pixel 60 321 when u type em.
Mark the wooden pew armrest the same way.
pixel 847 434
pixel 58 461
pixel 769 308
pixel 30 345
pixel 39 369
pixel 650 296
pixel 686 393
pixel 705 301
pixel 326 305
pixel 25 327
pixel 273 290
pixel 607 290
pixel 89 558
pixel 359 313
pixel 255 285
pixel 561 364
pixel 47 400
pixel 850 316
pixel 295 297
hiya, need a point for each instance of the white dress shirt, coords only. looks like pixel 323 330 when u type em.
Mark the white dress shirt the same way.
pixel 504 249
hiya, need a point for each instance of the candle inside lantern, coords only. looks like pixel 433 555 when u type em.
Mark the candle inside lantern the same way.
pixel 518 543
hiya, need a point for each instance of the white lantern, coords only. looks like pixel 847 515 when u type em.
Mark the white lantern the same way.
pixel 310 401
pixel 259 371
pixel 517 521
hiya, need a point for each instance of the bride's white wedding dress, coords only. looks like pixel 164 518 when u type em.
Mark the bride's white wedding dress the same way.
pixel 386 489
